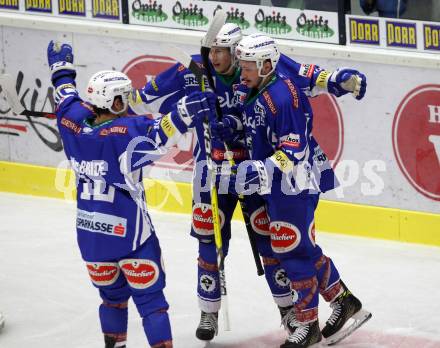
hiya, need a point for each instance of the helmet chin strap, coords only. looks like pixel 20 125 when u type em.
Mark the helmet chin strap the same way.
pixel 231 69
pixel 118 113
pixel 264 80
pixel 264 77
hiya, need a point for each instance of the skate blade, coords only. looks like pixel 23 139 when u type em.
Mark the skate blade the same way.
pixel 359 318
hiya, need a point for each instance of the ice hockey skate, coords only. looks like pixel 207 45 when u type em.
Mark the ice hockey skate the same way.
pixel 347 316
pixel 304 336
pixel 208 326
pixel 110 342
pixel 288 318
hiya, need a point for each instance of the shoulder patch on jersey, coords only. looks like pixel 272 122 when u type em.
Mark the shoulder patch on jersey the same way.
pixel 307 70
pixel 76 128
pixel 114 130
pixel 181 68
pixel 293 92
pixel 269 102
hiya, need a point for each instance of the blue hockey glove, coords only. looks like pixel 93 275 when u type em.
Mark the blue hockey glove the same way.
pixel 251 177
pixel 227 130
pixel 60 60
pixel 343 81
pixel 196 107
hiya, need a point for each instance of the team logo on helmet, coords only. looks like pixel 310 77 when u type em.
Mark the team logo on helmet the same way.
pixel 284 236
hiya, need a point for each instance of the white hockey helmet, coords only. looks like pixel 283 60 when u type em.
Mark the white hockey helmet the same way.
pixel 258 48
pixel 229 36
pixel 105 85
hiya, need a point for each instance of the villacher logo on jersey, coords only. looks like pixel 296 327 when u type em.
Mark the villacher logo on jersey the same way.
pixel 151 12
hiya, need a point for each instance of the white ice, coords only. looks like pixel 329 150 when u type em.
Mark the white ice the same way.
pixel 49 302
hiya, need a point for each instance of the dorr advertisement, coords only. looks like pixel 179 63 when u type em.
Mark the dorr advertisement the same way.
pixel 102 10
pixel 277 22
pixel 393 33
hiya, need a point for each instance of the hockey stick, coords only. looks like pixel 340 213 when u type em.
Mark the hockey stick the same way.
pixel 7 84
pixel 216 24
pixel 190 64
pixel 205 49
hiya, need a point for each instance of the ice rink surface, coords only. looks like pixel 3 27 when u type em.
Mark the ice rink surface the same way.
pixel 49 302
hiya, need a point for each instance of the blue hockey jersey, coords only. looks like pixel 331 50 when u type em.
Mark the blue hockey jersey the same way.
pixel 112 217
pixel 160 94
pixel 278 123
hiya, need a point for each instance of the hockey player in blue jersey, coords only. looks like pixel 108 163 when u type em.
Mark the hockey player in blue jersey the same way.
pixel 107 150
pixel 285 169
pixel 160 94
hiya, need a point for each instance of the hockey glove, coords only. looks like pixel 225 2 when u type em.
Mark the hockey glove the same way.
pixel 60 60
pixel 251 177
pixel 343 81
pixel 228 130
pixel 196 107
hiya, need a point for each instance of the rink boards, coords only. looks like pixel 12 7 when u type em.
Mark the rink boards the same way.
pixel 385 148
pixel 337 217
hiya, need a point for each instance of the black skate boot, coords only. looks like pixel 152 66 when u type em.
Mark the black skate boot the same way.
pixel 288 318
pixel 305 335
pixel 208 326
pixel 110 342
pixel 346 306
